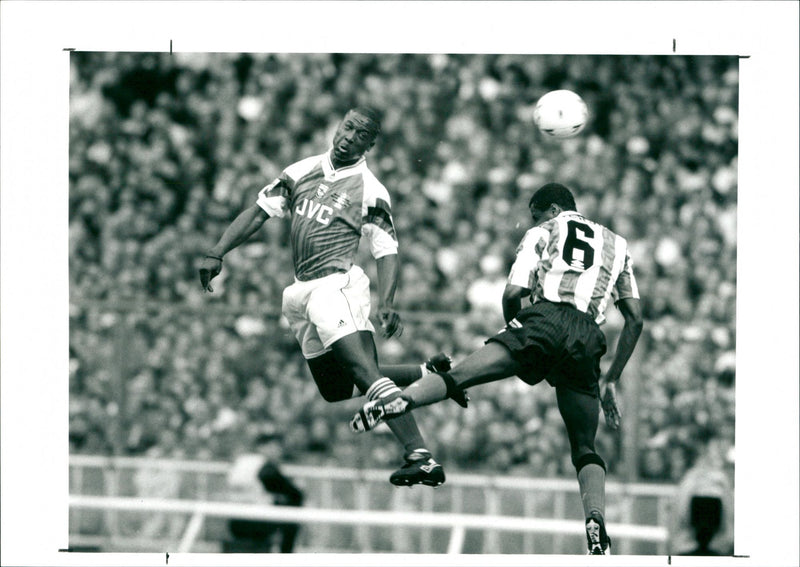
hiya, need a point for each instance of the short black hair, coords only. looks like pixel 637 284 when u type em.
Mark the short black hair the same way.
pixel 370 113
pixel 553 193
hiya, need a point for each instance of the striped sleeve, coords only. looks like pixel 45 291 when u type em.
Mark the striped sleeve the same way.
pixel 529 253
pixel 625 286
pixel 380 214
pixel 377 224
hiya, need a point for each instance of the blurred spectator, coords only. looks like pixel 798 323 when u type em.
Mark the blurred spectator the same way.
pixel 702 522
pixel 255 536
pixel 161 483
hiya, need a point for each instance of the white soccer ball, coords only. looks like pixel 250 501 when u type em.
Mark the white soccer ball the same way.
pixel 560 114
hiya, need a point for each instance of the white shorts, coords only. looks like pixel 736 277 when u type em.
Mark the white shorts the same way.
pixel 322 311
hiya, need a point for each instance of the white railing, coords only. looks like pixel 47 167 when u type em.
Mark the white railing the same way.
pixel 457 523
pixel 324 487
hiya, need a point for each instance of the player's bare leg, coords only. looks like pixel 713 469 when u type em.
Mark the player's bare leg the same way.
pixel 581 414
pixel 335 383
pixel 358 354
pixel 490 363
pixel 406 374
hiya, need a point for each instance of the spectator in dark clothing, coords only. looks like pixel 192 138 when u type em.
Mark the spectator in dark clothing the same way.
pixel 254 536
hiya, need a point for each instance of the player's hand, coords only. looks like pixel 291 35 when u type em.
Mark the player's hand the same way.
pixel 209 269
pixel 610 407
pixel 391 325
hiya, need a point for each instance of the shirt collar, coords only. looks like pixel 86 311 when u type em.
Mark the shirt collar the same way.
pixel 328 168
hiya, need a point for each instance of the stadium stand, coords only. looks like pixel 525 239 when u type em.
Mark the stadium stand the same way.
pixel 166 149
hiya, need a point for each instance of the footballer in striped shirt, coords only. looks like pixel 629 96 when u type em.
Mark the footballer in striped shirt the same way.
pixel 568 258
pixel 570 268
pixel 333 199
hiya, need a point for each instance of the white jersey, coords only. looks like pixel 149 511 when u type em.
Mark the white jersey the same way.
pixel 570 259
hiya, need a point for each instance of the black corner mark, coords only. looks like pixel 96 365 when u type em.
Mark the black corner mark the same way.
pixel 168 558
pixel 673 45
pixel 170 47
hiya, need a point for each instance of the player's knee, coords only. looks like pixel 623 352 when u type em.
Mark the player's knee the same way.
pixel 584 459
pixel 333 383
pixel 336 392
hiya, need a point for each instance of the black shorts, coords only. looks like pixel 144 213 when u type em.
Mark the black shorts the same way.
pixel 557 343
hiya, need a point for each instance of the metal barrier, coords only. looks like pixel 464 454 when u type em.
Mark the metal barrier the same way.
pixel 457 523
pixel 364 501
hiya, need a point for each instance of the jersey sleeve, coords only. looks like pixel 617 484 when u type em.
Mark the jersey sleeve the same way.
pixel 377 225
pixel 274 197
pixel 625 286
pixel 529 253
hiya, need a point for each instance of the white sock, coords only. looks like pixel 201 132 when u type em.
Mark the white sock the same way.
pixel 381 388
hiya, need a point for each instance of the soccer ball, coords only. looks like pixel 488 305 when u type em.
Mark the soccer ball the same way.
pixel 560 114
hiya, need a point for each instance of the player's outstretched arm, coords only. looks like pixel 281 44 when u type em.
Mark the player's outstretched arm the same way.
pixel 628 338
pixel 388 275
pixel 242 228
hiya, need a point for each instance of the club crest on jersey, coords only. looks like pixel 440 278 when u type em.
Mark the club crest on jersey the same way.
pixel 321 190
pixel 341 200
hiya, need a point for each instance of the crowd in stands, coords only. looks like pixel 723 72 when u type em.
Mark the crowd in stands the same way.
pixel 165 150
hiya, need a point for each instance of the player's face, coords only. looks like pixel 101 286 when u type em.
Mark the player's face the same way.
pixel 539 216
pixel 354 136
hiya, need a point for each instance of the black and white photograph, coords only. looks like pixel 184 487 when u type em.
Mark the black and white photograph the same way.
pixel 427 301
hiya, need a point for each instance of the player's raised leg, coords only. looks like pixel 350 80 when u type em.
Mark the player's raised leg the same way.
pixel 406 374
pixel 361 363
pixel 336 385
pixel 330 319
pixel 492 362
